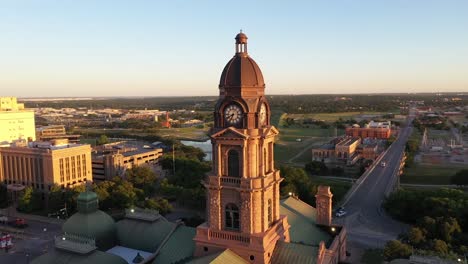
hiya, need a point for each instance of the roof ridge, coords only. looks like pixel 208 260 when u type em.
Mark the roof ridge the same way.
pixel 153 256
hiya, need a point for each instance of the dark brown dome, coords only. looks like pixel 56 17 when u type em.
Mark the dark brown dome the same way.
pixel 241 38
pixel 241 71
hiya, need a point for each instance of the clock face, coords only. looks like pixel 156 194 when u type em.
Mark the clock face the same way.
pixel 233 114
pixel 263 114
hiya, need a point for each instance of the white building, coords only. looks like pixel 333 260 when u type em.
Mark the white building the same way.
pixel 15 122
pixel 385 124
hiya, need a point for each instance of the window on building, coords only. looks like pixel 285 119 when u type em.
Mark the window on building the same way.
pixel 270 212
pixel 232 217
pixel 233 163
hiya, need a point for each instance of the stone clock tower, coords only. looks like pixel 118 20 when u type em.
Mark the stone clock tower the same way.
pixel 243 187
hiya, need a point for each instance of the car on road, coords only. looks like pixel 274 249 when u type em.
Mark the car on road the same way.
pixel 341 212
pixel 383 164
pixel 17 222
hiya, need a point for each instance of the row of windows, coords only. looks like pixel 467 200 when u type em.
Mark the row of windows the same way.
pixel 22 169
pixel 70 167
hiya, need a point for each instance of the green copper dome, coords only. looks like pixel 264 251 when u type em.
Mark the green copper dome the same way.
pixel 91 222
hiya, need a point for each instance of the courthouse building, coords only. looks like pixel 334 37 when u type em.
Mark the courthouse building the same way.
pixel 246 219
pixel 43 164
pixel 377 130
pixel 15 121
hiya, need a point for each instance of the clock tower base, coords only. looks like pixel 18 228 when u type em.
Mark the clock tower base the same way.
pixel 255 248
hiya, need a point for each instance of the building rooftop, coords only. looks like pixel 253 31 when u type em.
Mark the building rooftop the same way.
pixel 222 257
pixel 347 141
pixel 294 253
pixel 128 254
pixel 302 218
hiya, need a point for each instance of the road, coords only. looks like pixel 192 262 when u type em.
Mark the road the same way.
pixel 31 241
pixel 367 223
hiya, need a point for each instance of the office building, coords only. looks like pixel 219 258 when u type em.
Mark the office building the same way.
pixel 16 122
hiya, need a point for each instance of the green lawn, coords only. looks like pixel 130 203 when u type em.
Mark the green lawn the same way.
pixel 372 256
pixel 430 174
pixel 331 117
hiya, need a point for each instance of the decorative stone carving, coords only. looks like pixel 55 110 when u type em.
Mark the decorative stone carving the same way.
pixel 245 212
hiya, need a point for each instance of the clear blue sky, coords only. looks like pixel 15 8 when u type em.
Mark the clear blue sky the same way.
pixel 162 48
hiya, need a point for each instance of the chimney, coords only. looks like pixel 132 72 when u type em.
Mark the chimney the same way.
pixel 323 200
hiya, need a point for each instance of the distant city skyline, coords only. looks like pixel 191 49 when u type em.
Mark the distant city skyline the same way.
pixel 145 48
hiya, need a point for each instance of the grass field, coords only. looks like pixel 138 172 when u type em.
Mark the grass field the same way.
pixel 331 117
pixel 187 133
pixel 430 174
pixel 294 141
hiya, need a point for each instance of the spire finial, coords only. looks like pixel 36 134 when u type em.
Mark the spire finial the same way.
pixel 241 30
pixel 88 186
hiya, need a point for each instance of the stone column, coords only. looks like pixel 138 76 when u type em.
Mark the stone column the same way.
pixel 323 200
pixel 246 212
pixel 214 220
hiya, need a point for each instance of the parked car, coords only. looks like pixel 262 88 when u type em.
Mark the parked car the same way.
pixel 383 164
pixel 18 223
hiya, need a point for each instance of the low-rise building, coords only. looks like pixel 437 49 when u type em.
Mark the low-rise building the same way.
pixel 345 151
pixel 43 164
pixel 48 133
pixel 114 159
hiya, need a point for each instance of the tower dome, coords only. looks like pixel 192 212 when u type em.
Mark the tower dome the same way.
pixel 241 70
pixel 91 222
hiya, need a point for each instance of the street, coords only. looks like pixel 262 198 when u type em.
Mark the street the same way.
pixel 31 241
pixel 366 221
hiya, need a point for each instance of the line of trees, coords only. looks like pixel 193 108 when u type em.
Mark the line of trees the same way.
pixel 439 220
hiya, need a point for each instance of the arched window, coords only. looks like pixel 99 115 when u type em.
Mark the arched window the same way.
pixel 232 217
pixel 270 212
pixel 233 163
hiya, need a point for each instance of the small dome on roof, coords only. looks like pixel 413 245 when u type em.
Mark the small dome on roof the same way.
pixel 87 196
pixel 241 38
pixel 91 222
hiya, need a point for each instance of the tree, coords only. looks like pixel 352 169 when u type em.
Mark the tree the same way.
pixel 395 249
pixel 124 194
pixel 56 199
pixel 142 177
pixel 104 193
pixel 25 200
pixel 3 196
pixel 102 140
pixel 189 172
pixel 160 204
pixel 416 236
pixel 460 178
pixel 298 182
pixel 440 246
pixel 316 168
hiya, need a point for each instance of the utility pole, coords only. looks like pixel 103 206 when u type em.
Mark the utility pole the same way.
pixel 173 159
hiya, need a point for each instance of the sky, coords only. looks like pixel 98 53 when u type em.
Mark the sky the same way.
pixel 179 48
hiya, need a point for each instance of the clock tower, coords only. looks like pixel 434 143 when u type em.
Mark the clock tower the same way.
pixel 243 187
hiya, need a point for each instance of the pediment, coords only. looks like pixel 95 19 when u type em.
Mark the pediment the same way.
pixel 271 131
pixel 230 133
